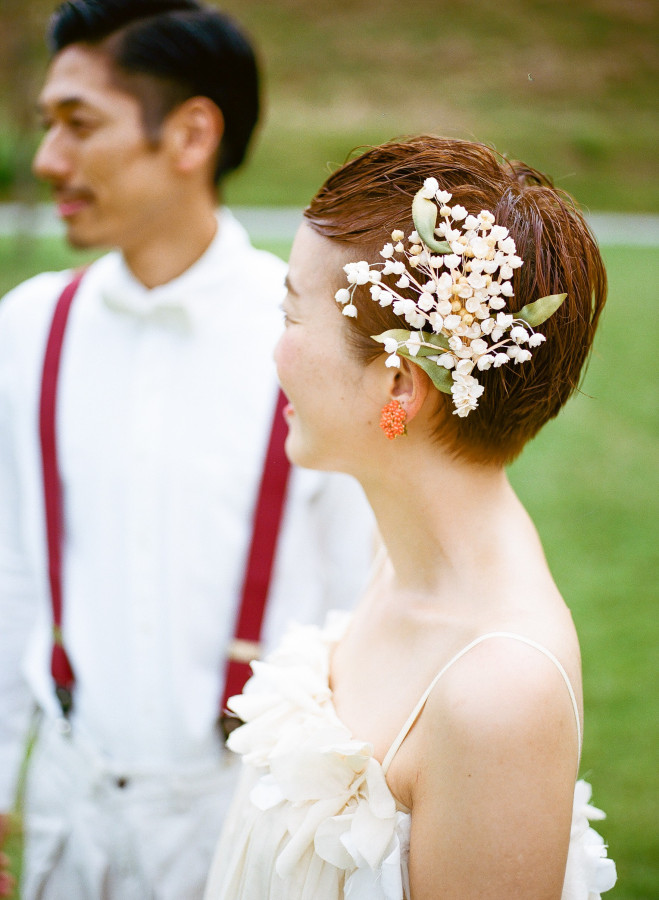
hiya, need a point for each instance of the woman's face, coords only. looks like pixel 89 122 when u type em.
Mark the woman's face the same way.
pixel 333 401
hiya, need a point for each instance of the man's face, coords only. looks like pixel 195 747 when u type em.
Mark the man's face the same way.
pixel 111 186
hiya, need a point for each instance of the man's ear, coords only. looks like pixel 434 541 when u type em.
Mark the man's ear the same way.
pixel 193 133
pixel 410 386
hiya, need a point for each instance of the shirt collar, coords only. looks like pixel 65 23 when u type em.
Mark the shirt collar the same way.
pixel 178 302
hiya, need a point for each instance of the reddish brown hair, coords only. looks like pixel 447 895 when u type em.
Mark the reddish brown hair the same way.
pixel 370 195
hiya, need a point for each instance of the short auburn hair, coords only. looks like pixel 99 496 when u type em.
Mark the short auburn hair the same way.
pixel 370 195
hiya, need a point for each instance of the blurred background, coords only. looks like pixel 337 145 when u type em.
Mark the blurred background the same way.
pixel 570 86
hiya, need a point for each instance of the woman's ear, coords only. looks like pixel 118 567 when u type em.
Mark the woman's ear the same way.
pixel 193 132
pixel 409 386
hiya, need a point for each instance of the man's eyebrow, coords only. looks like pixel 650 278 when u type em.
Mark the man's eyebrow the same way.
pixel 63 104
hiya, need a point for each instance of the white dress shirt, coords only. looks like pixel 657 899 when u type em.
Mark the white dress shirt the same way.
pixel 165 404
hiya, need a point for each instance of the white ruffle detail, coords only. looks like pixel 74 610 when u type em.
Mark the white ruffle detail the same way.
pixel 589 872
pixel 335 794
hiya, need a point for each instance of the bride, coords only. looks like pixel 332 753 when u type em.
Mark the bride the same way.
pixel 441 305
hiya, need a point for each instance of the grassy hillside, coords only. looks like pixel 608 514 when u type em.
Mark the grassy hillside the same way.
pixel 568 86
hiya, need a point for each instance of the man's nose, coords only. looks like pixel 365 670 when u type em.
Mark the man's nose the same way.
pixel 52 162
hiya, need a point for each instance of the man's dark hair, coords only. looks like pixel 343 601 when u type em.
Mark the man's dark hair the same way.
pixel 166 51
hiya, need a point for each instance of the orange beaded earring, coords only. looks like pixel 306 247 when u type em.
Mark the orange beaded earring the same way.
pixel 392 420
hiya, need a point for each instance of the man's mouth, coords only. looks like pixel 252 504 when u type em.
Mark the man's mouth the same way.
pixel 70 204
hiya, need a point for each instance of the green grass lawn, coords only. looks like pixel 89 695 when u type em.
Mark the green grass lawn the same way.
pixel 569 87
pixel 589 481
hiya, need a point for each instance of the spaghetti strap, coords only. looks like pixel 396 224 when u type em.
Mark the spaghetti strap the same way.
pixel 416 712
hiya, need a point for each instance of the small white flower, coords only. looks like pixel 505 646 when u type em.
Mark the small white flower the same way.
pixel 478 346
pixel 376 291
pixel 445 210
pixel 374 276
pixel 515 261
pixel 496 334
pixel 342 295
pixel 414 239
pixel 413 343
pixel 536 339
pixel 443 197
pixel 485 362
pixel 403 281
pixel 497 303
pixel 504 320
pixel 436 321
pixel 498 232
pixel 523 356
pixel 519 335
pixel 398 247
pixel 507 245
pixel 451 322
pixel 464 366
pixel 471 222
pixel 386 298
pixel 459 213
pixel 485 218
pixel 398 267
pixel 390 345
pixel 487 325
pixel 500 359
pixel 426 301
pixel 350 310
pixel 505 272
pixel 452 261
pixel 446 360
pixel 397 234
pixel 415 319
pixel 514 352
pixel 507 289
pixel 358 273
pixel 393 361
pixel 477 281
pixel 387 251
pixel 436 262
pixel 455 343
pixel 430 188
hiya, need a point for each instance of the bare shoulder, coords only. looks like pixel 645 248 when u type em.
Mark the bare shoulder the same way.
pixel 491 773
pixel 505 689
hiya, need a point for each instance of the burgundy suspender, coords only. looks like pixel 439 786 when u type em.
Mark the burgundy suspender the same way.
pixel 263 544
pixel 60 666
pixel 258 571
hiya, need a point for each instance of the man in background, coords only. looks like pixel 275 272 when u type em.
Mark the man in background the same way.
pixel 165 399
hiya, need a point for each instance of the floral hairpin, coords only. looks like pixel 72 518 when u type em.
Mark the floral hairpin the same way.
pixel 461 270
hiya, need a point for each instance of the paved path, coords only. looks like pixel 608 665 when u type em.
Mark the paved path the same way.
pixel 280 223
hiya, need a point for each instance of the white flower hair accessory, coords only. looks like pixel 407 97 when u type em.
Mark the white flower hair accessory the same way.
pixel 461 271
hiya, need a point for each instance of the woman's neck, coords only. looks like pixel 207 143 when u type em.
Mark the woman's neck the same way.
pixel 448 524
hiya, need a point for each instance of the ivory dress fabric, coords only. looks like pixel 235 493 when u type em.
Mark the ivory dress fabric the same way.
pixel 313 817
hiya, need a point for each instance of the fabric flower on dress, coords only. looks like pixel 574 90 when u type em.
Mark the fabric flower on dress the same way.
pixel 334 790
pixel 589 871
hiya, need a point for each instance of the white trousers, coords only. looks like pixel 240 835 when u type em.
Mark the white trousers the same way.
pixel 93 833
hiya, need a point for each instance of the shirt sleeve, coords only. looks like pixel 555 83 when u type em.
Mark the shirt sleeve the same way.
pixel 18 582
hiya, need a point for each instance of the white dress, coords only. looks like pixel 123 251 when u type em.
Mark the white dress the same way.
pixel 313 817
